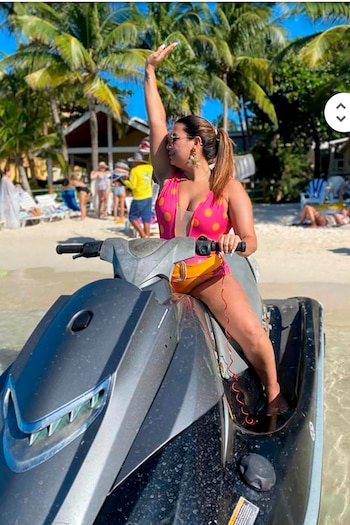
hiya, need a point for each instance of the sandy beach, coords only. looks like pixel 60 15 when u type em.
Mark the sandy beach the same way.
pixel 293 261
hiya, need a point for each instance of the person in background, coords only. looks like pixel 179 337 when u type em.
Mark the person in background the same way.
pixel 103 181
pixel 145 148
pixel 9 201
pixel 140 183
pixel 82 191
pixel 68 196
pixel 312 218
pixel 120 173
pixel 194 165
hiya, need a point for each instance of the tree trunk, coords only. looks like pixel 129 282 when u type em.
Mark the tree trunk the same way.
pixel 245 114
pixel 94 134
pixel 31 164
pixel 244 142
pixel 59 128
pixel 317 153
pixel 23 175
pixel 225 107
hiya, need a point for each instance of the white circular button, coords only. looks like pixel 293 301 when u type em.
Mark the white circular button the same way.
pixel 337 112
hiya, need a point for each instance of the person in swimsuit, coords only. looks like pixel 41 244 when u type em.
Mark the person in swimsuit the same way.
pixel 194 166
pixel 103 181
pixel 316 219
pixel 82 191
pixel 120 173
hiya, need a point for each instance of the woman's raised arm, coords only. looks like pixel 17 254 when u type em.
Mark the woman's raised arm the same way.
pixel 157 119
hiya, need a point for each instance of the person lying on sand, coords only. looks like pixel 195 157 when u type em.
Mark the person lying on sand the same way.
pixel 316 219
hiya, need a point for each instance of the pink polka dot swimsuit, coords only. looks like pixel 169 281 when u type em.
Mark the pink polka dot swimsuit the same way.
pixel 210 217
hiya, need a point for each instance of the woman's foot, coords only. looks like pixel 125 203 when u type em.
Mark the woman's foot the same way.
pixel 277 406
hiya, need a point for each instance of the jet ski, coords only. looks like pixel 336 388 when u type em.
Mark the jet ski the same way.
pixel 129 405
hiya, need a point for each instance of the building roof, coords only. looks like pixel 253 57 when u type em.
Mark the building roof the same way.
pixel 78 133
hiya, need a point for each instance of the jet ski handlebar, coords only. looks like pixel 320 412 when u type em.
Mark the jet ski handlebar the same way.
pixel 86 249
pixel 204 246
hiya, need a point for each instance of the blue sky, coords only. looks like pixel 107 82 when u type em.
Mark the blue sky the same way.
pixel 296 26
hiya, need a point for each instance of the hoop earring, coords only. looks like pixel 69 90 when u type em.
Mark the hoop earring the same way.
pixel 192 160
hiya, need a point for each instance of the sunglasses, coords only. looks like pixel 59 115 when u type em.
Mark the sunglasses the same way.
pixel 171 139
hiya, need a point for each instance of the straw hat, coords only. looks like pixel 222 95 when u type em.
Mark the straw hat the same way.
pixel 102 165
pixel 137 157
pixel 121 170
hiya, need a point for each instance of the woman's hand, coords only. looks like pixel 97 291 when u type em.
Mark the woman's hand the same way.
pixel 162 52
pixel 229 242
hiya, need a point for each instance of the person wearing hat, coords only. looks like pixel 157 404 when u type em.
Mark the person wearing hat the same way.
pixel 102 176
pixel 120 173
pixel 140 183
pixel 145 147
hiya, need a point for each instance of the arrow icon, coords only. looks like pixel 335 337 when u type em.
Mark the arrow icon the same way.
pixel 337 112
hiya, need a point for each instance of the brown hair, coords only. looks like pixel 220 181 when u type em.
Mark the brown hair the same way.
pixel 217 147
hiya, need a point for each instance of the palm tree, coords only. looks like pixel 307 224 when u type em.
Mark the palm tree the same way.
pixel 320 47
pixel 182 78
pixel 237 53
pixel 81 44
pixel 23 123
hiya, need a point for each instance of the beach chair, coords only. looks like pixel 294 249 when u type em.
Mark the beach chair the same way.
pixel 333 186
pixel 50 207
pixel 29 209
pixel 315 193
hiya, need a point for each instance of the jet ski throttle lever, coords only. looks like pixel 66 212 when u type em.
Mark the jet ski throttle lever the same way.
pixel 205 246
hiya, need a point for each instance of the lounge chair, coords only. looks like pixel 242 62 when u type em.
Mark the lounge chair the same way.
pixel 333 186
pixel 315 193
pixel 50 207
pixel 29 209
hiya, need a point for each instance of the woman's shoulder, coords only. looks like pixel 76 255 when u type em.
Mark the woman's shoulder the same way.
pixel 234 186
pixel 172 178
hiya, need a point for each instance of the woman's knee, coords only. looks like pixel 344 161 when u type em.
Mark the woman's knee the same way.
pixel 247 328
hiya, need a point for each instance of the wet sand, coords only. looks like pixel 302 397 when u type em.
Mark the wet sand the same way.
pixel 292 261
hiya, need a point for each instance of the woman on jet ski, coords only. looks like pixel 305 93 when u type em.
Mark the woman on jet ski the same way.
pixel 194 166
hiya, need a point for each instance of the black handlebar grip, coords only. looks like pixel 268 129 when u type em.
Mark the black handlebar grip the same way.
pixel 69 248
pixel 241 247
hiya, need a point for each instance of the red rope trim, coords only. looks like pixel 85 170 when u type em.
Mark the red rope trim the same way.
pixel 237 393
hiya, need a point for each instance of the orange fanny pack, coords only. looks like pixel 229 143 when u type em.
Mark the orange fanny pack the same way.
pixel 183 270
pixel 186 276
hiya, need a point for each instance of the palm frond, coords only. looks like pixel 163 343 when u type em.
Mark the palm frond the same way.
pixel 73 52
pixel 96 88
pixel 49 77
pixel 34 28
pixel 317 49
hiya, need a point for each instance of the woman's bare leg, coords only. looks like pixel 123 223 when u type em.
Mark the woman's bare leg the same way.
pixel 83 197
pixel 122 205
pixel 227 301
pixel 316 218
pixel 115 206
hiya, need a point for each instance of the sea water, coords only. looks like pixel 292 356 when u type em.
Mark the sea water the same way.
pixel 25 295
